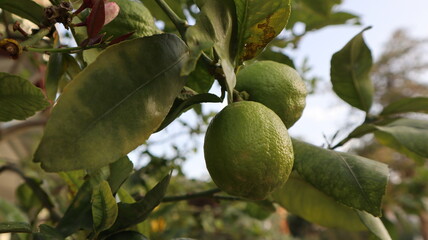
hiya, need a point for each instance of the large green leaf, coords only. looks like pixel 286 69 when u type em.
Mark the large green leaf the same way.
pixel 133 17
pixel 19 99
pixel 258 23
pixel 416 104
pixel 304 200
pixel 408 136
pixel 104 207
pixel 352 180
pixel 350 69
pixel 114 104
pixel 218 18
pixel 375 225
pixel 24 8
pixel 134 213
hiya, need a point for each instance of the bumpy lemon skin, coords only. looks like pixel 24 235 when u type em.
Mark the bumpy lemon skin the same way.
pixel 248 151
pixel 277 86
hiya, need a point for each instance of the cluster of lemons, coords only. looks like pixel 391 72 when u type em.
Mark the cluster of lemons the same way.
pixel 248 150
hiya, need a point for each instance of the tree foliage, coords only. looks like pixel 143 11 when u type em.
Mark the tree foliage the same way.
pixel 136 68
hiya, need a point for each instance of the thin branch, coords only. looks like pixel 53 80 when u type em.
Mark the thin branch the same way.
pixel 64 50
pixel 208 193
pixel 20 126
pixel 36 37
pixel 179 23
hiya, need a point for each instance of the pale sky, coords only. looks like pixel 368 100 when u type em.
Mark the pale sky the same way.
pixel 325 112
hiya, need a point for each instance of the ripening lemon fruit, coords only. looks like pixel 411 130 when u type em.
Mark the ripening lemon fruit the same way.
pixel 277 86
pixel 248 151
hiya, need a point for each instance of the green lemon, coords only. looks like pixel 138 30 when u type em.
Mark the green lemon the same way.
pixel 248 151
pixel 277 86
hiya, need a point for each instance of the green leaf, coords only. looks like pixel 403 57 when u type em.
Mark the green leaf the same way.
pixel 104 207
pixel 408 136
pixel 74 179
pixel 375 225
pixel 350 73
pixel 133 17
pixel 200 79
pixel 47 233
pixel 119 172
pixel 260 210
pixel 19 99
pixel 11 213
pixel 134 213
pixel 15 227
pixel 269 54
pixel 323 7
pixel 258 23
pixel 301 198
pixel 78 214
pixel 24 8
pixel 218 18
pixel 140 79
pixel 352 180
pixel 416 104
pixel 199 38
pixel 56 69
pixel 184 102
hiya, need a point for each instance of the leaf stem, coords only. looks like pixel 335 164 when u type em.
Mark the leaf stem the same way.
pixel 36 37
pixel 179 23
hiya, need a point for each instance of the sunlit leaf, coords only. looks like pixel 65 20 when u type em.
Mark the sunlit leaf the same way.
pixel 140 79
pixel 104 207
pixel 304 200
pixel 374 225
pixel 133 17
pixel 24 8
pixel 416 104
pixel 352 180
pixel 258 23
pixel 408 136
pixel 350 73
pixel 19 99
